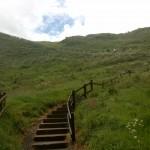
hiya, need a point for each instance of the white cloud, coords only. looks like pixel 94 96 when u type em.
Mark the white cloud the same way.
pixel 23 17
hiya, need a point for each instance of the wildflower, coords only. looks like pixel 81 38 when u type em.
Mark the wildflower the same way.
pixel 128 125
pixel 133 131
pixel 135 137
pixel 138 141
pixel 134 124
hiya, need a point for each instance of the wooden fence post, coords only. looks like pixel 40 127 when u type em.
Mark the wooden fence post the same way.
pixel 91 83
pixel 120 75
pixel 84 87
pixel 0 102
pixel 73 128
pixel 74 99
pixel 129 72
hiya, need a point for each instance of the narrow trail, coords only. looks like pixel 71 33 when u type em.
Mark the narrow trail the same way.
pixel 56 130
pixel 52 131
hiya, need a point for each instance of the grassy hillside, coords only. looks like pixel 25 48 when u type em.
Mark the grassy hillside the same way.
pixel 37 75
pixel 116 117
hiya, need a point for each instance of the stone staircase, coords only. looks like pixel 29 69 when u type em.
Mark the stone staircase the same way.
pixel 52 131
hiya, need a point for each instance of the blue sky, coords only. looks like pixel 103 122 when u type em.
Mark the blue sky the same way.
pixel 54 25
pixel 54 20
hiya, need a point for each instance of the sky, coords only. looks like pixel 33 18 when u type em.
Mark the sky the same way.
pixel 54 20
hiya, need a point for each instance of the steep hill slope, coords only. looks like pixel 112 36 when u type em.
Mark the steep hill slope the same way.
pixel 39 74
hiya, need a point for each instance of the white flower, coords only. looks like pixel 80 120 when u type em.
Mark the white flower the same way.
pixel 133 130
pixel 136 119
pixel 135 137
pixel 134 124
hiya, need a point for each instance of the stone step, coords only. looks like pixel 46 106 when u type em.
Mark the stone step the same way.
pixel 59 112
pixel 46 131
pixel 54 120
pixel 56 116
pixel 49 145
pixel 53 137
pixel 59 149
pixel 55 149
pixel 53 125
pixel 52 131
pixel 64 105
pixel 61 109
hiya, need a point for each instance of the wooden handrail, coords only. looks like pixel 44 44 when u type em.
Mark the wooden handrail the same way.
pixel 68 120
pixel 72 99
pixel 68 109
pixel 2 102
pixel 2 98
pixel 71 106
pixel 79 89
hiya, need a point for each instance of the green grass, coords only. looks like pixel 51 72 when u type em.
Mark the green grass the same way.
pixel 102 119
pixel 37 75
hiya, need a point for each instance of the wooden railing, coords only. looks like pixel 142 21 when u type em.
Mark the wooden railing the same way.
pixel 82 92
pixel 73 98
pixel 2 102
